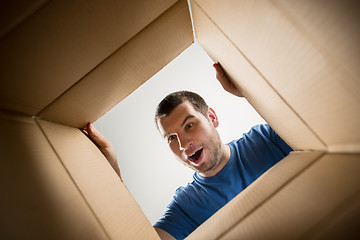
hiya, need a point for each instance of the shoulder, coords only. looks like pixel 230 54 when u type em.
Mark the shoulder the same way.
pixel 263 129
pixel 261 135
pixel 257 132
pixel 262 132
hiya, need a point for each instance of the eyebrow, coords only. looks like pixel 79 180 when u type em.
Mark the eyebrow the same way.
pixel 189 116
pixel 182 124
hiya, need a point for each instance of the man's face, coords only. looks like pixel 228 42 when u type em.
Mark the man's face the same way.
pixel 192 137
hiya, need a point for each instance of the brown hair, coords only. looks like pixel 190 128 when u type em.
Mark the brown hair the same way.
pixel 171 101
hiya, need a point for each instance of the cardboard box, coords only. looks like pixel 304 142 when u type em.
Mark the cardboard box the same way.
pixel 295 62
pixel 64 64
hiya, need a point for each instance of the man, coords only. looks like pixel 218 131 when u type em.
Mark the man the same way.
pixel 221 170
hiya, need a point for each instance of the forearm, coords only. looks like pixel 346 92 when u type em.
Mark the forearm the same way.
pixel 105 147
pixel 110 155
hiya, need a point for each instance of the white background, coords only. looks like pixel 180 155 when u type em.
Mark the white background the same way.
pixel 149 169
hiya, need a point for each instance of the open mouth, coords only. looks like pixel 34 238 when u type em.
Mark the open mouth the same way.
pixel 195 157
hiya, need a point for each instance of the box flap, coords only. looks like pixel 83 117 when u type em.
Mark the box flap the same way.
pixel 258 91
pixel 38 199
pixel 312 64
pixel 12 13
pixel 304 206
pixel 125 70
pixel 62 42
pixel 329 185
pixel 107 196
pixel 255 195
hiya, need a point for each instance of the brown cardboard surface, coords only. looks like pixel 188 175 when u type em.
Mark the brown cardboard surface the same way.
pixel 13 13
pixel 38 198
pixel 341 223
pixel 106 195
pixel 125 70
pixel 286 122
pixel 256 194
pixel 297 58
pixel 306 204
pixel 296 62
pixel 331 25
pixel 307 201
pixel 62 42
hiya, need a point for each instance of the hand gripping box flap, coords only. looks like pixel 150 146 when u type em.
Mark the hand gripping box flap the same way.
pixel 305 53
pixel 296 62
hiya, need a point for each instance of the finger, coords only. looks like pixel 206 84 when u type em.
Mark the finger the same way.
pixel 219 70
pixel 96 136
pixel 225 81
pixel 221 76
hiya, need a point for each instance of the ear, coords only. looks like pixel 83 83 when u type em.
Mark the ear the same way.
pixel 213 118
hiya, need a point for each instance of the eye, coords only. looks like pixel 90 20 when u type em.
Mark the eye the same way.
pixel 171 138
pixel 188 126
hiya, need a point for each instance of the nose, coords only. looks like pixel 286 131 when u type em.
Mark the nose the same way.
pixel 184 142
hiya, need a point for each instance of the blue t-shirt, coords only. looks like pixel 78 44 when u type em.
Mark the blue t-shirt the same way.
pixel 253 154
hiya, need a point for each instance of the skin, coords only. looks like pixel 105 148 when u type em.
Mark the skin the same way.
pixel 188 131
pixel 104 146
pixel 226 82
pixel 185 139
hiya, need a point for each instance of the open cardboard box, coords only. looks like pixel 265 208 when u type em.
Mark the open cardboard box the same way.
pixel 64 64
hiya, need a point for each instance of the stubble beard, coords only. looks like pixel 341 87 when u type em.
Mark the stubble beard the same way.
pixel 216 154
